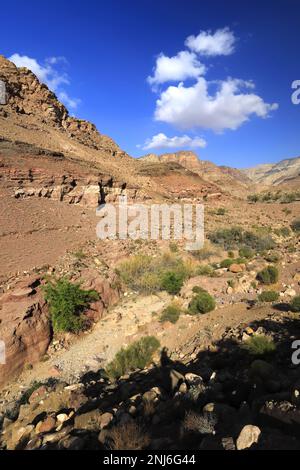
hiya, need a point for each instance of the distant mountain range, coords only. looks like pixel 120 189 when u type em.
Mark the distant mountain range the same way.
pixel 285 172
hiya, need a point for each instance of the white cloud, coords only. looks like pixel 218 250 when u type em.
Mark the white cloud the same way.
pixel 221 42
pixel 180 67
pixel 193 106
pixel 68 101
pixel 50 72
pixel 162 141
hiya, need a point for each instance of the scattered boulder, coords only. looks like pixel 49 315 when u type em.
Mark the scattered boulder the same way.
pixel 249 435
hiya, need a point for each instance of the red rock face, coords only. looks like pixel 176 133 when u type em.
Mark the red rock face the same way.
pixel 24 329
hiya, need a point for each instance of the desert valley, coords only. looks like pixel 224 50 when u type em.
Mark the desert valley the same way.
pixel 141 344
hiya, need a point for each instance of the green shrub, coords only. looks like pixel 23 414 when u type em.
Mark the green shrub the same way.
pixel 230 254
pixel 172 282
pixel 171 313
pixel 136 356
pixel 67 302
pixel 272 257
pixel 246 252
pixel 173 247
pixel 220 211
pixel 295 304
pixel 282 232
pixel 235 237
pixel 295 225
pixel 206 270
pixel 269 275
pixel 198 290
pixel 268 296
pixel 201 303
pixel 259 345
pixel 226 263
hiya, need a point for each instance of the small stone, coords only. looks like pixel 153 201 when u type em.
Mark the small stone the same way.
pixel 193 379
pixel 249 435
pixel 183 388
pixel 38 394
pixel 47 425
pixel 62 417
pixel 228 443
pixel 105 419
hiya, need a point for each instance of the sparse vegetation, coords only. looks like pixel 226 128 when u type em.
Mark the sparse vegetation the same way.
pixel 171 313
pixel 268 275
pixel 136 356
pixel 235 237
pixel 295 225
pixel 260 345
pixel 67 302
pixel 272 257
pixel 201 303
pixel 172 282
pixel 246 252
pixel 129 436
pixel 268 296
pixel 220 211
pixel 282 232
pixel 284 197
pixel 202 424
pixel 205 270
pixel 150 274
pixel 295 304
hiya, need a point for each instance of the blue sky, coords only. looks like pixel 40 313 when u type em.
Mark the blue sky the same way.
pixel 234 104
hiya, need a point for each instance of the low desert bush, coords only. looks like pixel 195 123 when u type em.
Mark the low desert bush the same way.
pixel 136 356
pixel 172 281
pixel 202 424
pixel 268 275
pixel 272 257
pixel 220 211
pixel 201 303
pixel 198 290
pixel 67 302
pixel 295 225
pixel 268 296
pixel 129 436
pixel 246 252
pixel 205 270
pixel 151 274
pixel 260 345
pixel 171 313
pixel 282 232
pixel 206 252
pixel 295 304
pixel 235 237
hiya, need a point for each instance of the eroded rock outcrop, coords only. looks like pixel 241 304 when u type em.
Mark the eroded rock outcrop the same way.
pixel 24 328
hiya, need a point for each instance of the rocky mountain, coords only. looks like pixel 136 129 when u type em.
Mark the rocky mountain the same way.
pixel 229 179
pixel 276 174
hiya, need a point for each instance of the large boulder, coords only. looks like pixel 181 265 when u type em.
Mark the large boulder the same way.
pixel 24 328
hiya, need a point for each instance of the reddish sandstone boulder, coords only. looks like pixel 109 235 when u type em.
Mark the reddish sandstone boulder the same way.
pixel 24 329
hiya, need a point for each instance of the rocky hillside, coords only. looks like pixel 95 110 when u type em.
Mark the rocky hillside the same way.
pixel 28 98
pixel 229 179
pixel 283 172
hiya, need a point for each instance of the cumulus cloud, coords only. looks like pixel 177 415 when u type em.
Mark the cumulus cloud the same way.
pixel 177 68
pixel 68 101
pixel 221 42
pixel 50 72
pixel 193 106
pixel 162 141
